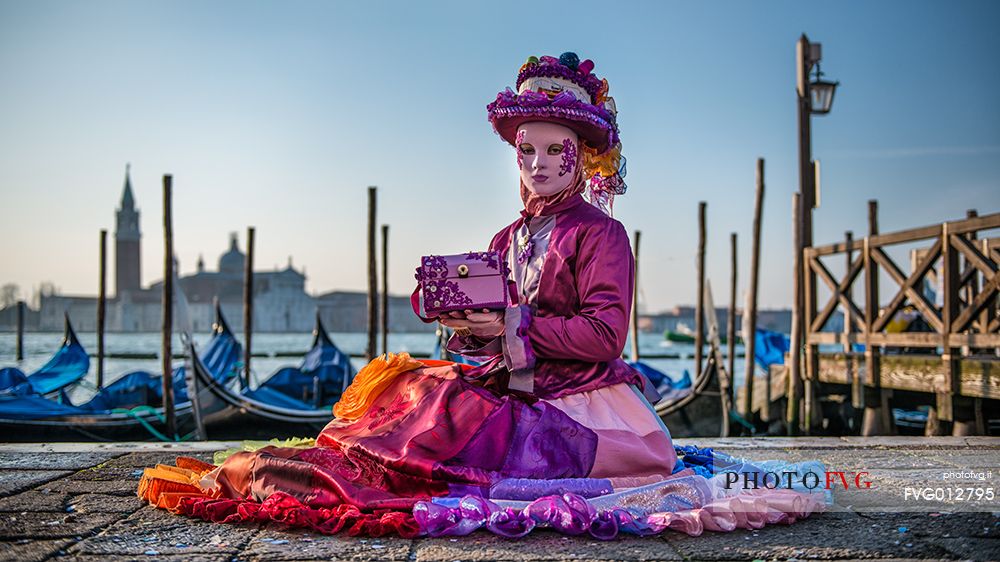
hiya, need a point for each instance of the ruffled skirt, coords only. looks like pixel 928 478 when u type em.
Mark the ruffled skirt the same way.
pixel 418 450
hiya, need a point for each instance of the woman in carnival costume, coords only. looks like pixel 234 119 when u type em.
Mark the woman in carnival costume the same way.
pixel 552 429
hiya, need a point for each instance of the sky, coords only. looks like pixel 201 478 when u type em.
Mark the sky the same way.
pixel 279 115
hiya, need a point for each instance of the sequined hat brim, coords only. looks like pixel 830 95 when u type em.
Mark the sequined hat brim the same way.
pixel 511 110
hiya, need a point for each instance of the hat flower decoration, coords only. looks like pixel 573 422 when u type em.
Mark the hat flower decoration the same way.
pixel 566 91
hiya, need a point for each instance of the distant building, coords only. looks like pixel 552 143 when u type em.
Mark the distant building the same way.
pixel 281 303
pixel 127 238
pixel 682 319
pixel 343 311
pixel 8 318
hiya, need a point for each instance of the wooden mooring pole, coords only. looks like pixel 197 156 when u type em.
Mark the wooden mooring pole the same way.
pixel 385 288
pixel 853 373
pixel 248 307
pixel 715 349
pixel 699 315
pixel 635 300
pixel 168 307
pixel 794 392
pixel 19 352
pixel 370 350
pixel 101 306
pixel 876 419
pixel 945 400
pixel 749 335
pixel 969 418
pixel 731 317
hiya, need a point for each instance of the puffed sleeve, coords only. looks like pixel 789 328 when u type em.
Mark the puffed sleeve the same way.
pixel 605 273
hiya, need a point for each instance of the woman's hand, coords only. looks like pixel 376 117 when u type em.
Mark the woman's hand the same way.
pixel 484 324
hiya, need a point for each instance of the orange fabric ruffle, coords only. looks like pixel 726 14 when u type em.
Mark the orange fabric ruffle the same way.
pixel 165 486
pixel 370 382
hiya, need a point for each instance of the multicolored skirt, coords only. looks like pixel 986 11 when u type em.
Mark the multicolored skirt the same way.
pixel 418 450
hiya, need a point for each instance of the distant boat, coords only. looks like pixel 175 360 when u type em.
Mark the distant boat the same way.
pixel 913 420
pixel 128 408
pixel 678 337
pixel 684 337
pixel 66 367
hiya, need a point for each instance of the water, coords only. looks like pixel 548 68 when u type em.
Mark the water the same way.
pixel 39 347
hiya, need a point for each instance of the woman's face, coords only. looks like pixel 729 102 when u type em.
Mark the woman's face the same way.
pixel 547 156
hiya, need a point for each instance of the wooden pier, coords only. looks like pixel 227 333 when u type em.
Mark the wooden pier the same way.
pixel 952 364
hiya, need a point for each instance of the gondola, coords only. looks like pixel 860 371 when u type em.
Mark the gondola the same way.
pixel 66 367
pixel 317 383
pixel 128 408
pixel 294 401
pixel 667 388
pixel 697 411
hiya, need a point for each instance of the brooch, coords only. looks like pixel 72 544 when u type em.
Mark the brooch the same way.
pixel 525 246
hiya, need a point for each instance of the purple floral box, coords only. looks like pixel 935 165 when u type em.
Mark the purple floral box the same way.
pixel 474 280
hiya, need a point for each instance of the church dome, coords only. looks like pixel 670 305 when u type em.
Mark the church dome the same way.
pixel 232 261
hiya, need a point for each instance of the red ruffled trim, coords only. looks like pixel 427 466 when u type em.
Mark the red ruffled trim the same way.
pixel 282 508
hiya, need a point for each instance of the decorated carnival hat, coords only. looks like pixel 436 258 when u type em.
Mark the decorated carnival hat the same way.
pixel 567 92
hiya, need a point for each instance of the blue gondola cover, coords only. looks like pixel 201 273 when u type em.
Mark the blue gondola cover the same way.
pixel 770 348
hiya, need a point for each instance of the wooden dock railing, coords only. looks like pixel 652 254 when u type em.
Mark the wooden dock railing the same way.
pixel 960 366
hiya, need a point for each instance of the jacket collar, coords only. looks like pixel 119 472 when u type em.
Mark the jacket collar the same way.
pixel 566 205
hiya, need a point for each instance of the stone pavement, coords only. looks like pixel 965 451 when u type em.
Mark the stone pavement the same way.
pixel 76 501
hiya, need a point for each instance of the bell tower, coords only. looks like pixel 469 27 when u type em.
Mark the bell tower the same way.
pixel 127 236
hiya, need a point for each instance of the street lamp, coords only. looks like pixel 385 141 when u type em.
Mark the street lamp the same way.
pixel 822 93
pixel 815 97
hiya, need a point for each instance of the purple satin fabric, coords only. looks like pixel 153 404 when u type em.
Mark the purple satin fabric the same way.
pixel 433 425
pixel 579 320
pixel 569 514
pixel 527 489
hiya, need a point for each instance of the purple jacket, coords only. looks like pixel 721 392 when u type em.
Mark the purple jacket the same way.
pixel 567 336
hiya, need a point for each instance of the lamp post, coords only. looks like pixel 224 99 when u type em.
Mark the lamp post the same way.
pixel 813 97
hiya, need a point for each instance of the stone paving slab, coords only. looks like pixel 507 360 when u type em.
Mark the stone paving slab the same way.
pixel 825 536
pixel 13 481
pixel 972 548
pixel 52 461
pixel 99 503
pixel 88 511
pixel 145 459
pixel 935 527
pixel 850 459
pixel 150 557
pixel 108 474
pixel 125 488
pixel 156 530
pixel 898 441
pixel 30 550
pixel 119 447
pixel 35 501
pixel 273 543
pixel 894 489
pixel 543 545
pixel 52 525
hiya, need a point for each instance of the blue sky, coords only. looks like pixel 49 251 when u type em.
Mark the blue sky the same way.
pixel 280 114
